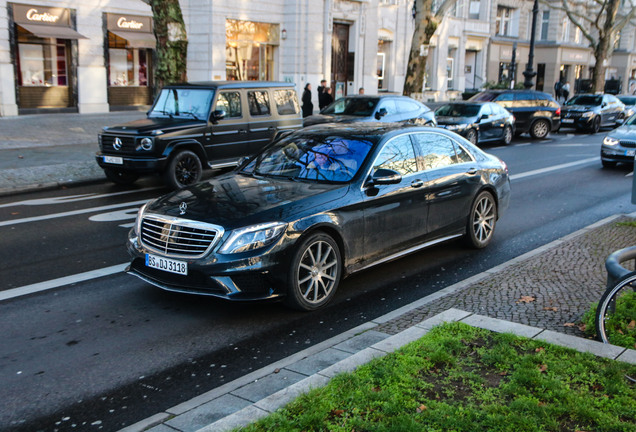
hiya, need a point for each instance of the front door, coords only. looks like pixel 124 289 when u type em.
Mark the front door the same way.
pixel 228 138
pixel 339 58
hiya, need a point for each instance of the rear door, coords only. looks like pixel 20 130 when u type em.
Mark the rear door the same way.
pixel 228 138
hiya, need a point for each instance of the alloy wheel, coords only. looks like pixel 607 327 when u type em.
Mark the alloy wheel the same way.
pixel 317 272
pixel 482 220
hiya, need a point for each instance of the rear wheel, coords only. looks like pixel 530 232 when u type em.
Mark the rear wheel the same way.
pixel 540 129
pixel 471 135
pixel 481 221
pixel 314 273
pixel 183 170
pixel 120 177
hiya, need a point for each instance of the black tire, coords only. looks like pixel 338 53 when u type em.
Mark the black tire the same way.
pixel 596 125
pixel 471 135
pixel 540 129
pixel 612 318
pixel 184 169
pixel 608 164
pixel 120 177
pixel 314 273
pixel 481 221
pixel 507 136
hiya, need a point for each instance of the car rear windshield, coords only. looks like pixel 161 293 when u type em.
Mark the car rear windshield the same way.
pixel 361 107
pixel 628 100
pixel 585 100
pixel 484 97
pixel 458 110
pixel 313 158
pixel 185 103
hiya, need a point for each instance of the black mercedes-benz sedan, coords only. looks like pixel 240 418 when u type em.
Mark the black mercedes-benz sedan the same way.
pixel 315 206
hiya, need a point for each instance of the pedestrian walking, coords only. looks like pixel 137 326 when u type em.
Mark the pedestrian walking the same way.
pixel 566 91
pixel 557 89
pixel 325 98
pixel 308 106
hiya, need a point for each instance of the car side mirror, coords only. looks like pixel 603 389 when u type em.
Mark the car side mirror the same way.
pixel 217 115
pixel 385 176
pixel 381 113
pixel 604 104
pixel 483 117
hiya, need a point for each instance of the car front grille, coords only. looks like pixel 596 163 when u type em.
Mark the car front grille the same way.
pixel 178 237
pixel 628 143
pixel 572 115
pixel 127 143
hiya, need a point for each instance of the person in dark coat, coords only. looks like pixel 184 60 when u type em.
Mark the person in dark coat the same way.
pixel 325 98
pixel 308 106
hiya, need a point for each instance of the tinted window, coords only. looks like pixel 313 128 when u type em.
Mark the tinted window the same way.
pixel 505 97
pixel 458 110
pixel 484 97
pixel 437 150
pixel 585 100
pixel 286 102
pixel 230 102
pixel 523 96
pixel 462 154
pixel 628 100
pixel 362 107
pixel 258 102
pixel 397 155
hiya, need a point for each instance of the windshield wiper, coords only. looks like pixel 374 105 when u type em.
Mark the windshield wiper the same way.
pixel 190 113
pixel 169 114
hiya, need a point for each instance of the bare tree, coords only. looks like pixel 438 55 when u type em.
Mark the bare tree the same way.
pixel 425 25
pixel 600 22
pixel 172 42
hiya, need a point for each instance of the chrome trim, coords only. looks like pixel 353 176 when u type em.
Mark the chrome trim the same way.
pixel 232 132
pixel 408 251
pixel 223 165
pixel 180 222
pixel 259 129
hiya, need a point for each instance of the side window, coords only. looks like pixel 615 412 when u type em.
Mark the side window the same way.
pixel 406 106
pixel 437 150
pixel 462 155
pixel 486 110
pixel 389 105
pixel 259 102
pixel 398 155
pixel 230 102
pixel 505 100
pixel 286 102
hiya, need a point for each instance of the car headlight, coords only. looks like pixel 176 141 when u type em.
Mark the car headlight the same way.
pixel 629 112
pixel 146 143
pixel 253 237
pixel 587 114
pixel 610 141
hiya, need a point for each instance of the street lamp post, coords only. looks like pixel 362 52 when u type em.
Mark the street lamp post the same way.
pixel 529 73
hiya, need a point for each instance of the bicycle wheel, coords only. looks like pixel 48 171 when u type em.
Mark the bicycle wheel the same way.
pixel 616 313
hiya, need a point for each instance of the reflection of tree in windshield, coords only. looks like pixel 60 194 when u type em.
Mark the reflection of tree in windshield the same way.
pixel 183 102
pixel 362 107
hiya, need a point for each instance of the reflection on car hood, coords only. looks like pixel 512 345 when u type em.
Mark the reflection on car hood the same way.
pixel 455 120
pixel 329 118
pixel 147 125
pixel 578 107
pixel 236 200
pixel 624 132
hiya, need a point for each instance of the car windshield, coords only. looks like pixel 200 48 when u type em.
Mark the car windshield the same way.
pixel 361 107
pixel 585 100
pixel 627 100
pixel 310 157
pixel 183 103
pixel 458 110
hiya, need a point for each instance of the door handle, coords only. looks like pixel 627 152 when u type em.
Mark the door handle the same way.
pixel 417 183
pixel 242 131
pixel 472 171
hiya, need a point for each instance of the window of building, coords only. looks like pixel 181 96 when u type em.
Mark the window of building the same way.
pixel 545 23
pixel 450 71
pixel 475 6
pixel 578 35
pixel 503 23
pixel 505 71
pixel 126 66
pixel 565 29
pixel 459 9
pixel 42 62
pixel 249 50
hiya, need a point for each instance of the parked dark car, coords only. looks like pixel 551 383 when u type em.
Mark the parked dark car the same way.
pixel 191 126
pixel 630 104
pixel 478 122
pixel 619 146
pixel 380 108
pixel 318 205
pixel 590 112
pixel 535 112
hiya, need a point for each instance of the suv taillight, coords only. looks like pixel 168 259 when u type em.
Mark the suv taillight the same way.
pixel 558 112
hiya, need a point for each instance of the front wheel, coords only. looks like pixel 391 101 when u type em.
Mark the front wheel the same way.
pixel 507 135
pixel 314 273
pixel 471 135
pixel 616 312
pixel 596 125
pixel 183 170
pixel 482 221
pixel 540 129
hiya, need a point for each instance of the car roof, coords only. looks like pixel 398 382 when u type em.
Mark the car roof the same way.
pixel 231 84
pixel 371 131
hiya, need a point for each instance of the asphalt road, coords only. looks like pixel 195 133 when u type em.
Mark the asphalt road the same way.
pixel 102 349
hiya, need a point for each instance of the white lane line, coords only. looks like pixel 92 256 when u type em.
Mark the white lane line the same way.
pixel 56 283
pixel 71 198
pixel 71 213
pixel 553 168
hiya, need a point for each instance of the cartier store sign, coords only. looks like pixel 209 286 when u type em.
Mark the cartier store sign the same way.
pixel 131 23
pixel 42 15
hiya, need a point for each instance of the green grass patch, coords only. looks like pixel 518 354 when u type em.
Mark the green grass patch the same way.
pixel 620 327
pixel 459 378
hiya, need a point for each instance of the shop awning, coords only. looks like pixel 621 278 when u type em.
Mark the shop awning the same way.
pixel 45 31
pixel 137 39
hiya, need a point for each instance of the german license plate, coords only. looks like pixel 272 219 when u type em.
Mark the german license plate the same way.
pixel 567 121
pixel 630 152
pixel 165 264
pixel 114 160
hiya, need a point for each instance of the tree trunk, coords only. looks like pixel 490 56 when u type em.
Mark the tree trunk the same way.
pixel 424 28
pixel 172 42
pixel 605 46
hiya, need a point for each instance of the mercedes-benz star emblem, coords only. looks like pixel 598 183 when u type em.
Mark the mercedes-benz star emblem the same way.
pixel 183 207
pixel 117 143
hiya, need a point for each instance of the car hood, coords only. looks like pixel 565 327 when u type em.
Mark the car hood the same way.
pixel 578 108
pixel 329 118
pixel 624 132
pixel 147 125
pixel 236 200
pixel 443 120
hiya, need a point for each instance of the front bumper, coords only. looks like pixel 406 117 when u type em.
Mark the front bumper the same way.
pixel 577 122
pixel 617 154
pixel 244 277
pixel 139 165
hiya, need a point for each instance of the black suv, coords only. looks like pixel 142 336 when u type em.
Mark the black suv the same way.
pixel 198 124
pixel 592 111
pixel 535 112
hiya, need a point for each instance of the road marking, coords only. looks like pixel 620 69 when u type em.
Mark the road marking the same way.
pixel 71 213
pixel 56 283
pixel 72 198
pixel 553 168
